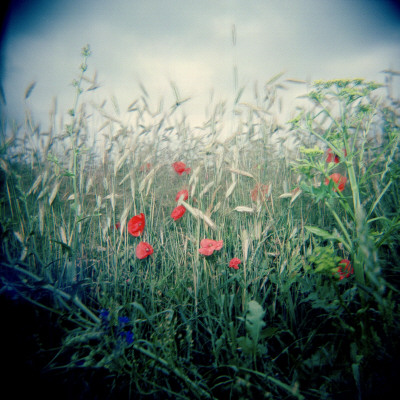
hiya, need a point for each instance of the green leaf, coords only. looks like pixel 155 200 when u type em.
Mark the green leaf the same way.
pixel 323 233
pixel 378 199
pixel 254 319
pixel 269 332
pixel 67 173
pixel 80 219
pixel 64 246
pixel 323 260
pixel 246 344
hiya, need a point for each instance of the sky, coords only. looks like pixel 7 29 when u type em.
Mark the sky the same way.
pixel 189 42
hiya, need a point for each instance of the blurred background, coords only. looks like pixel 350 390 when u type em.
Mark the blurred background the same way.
pixel 197 45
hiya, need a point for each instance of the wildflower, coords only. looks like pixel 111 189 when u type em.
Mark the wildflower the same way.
pixel 143 250
pixel 104 314
pixel 180 167
pixel 183 192
pixel 340 181
pixel 123 320
pixel 332 157
pixel 178 212
pixel 234 263
pixel 123 333
pixel 145 167
pixel 345 269
pixel 208 246
pixel 259 191
pixel 105 319
pixel 118 225
pixel 128 335
pixel 136 225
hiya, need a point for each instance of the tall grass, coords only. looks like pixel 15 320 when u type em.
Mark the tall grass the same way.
pixel 179 324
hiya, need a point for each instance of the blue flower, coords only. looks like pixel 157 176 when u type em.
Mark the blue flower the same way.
pixel 104 314
pixel 105 320
pixel 128 335
pixel 123 320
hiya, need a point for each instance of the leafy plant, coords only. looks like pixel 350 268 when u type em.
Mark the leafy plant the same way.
pixel 254 324
pixel 172 260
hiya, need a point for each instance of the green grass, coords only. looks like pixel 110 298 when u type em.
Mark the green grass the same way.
pixel 281 326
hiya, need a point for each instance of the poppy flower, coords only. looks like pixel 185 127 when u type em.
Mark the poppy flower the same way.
pixel 180 167
pixel 143 250
pixel 178 212
pixel 183 192
pixel 117 225
pixel 259 191
pixel 345 269
pixel 332 157
pixel 208 246
pixel 234 263
pixel 145 167
pixel 136 225
pixel 340 181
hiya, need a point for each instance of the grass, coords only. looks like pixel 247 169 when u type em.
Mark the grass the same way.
pixel 179 324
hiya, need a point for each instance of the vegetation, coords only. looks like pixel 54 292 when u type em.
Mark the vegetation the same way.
pixel 157 260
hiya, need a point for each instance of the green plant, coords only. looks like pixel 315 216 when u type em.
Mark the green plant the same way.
pixel 291 322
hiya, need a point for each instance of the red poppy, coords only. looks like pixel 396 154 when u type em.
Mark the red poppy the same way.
pixel 178 212
pixel 180 167
pixel 143 250
pixel 294 191
pixel 345 269
pixel 340 181
pixel 145 167
pixel 183 192
pixel 234 263
pixel 118 225
pixel 332 157
pixel 136 225
pixel 208 246
pixel 259 191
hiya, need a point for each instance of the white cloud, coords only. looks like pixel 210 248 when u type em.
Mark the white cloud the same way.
pixel 190 43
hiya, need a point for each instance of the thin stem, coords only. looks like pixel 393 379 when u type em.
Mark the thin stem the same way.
pixel 348 242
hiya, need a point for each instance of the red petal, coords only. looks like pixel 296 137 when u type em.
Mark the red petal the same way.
pixel 254 193
pixel 207 243
pixel 234 263
pixel 338 179
pixel 329 157
pixel 179 167
pixel 218 244
pixel 183 192
pixel 178 212
pixel 136 225
pixel 208 246
pixel 206 251
pixel 143 250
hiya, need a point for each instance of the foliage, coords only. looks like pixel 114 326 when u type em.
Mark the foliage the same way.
pixel 249 293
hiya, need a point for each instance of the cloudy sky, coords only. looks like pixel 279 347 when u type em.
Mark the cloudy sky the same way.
pixel 190 43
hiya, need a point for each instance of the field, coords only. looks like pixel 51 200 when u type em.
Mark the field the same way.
pixel 157 260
